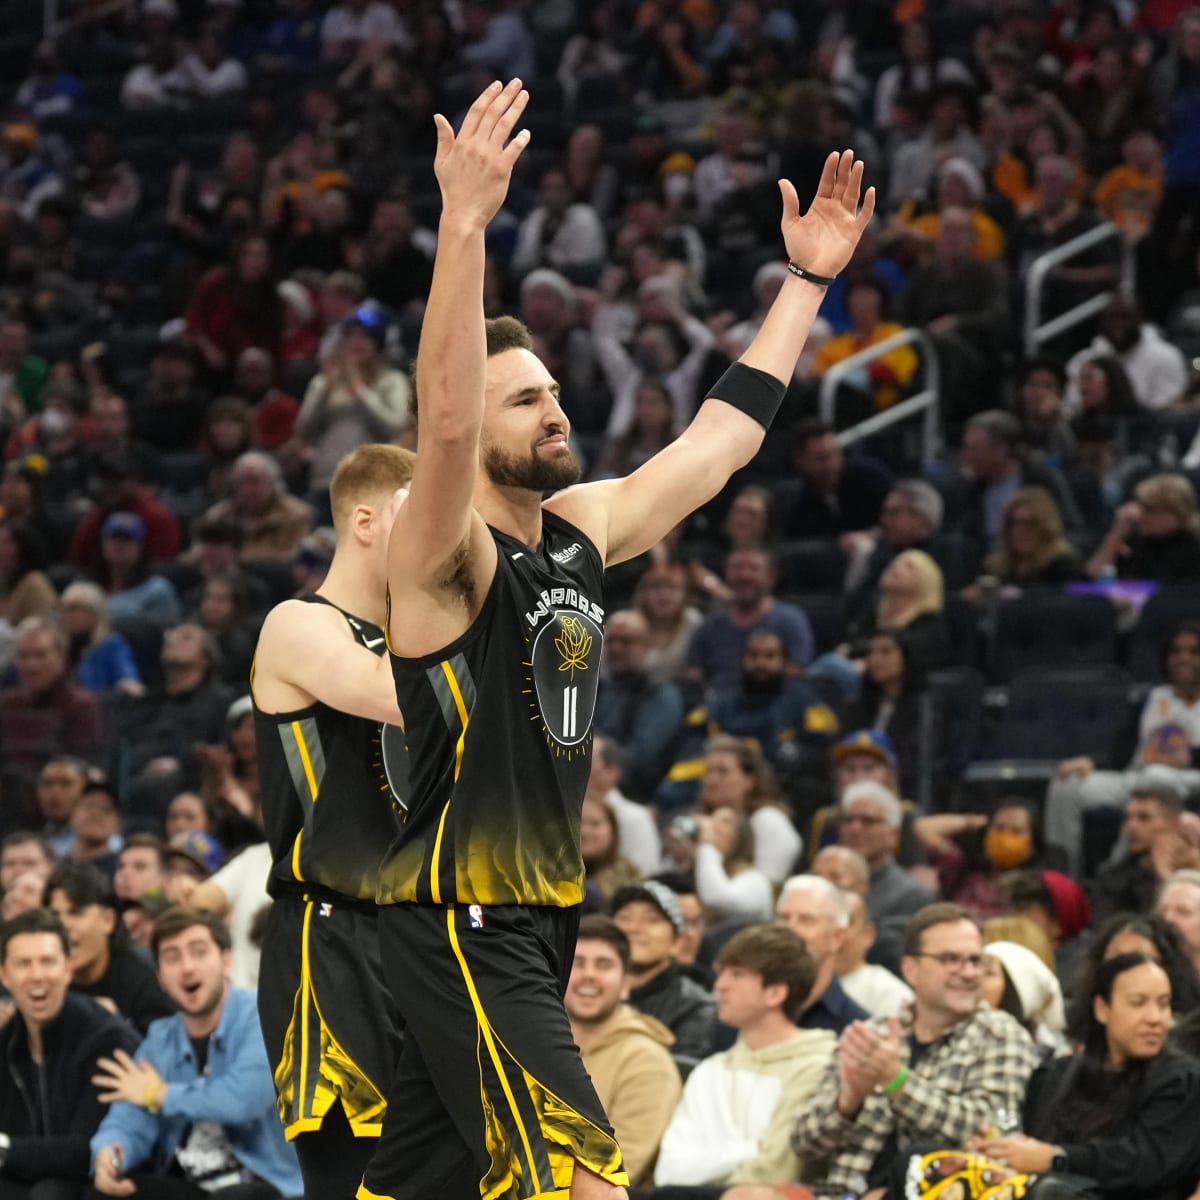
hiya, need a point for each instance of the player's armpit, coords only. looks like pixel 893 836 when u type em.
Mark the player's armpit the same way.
pixel 306 653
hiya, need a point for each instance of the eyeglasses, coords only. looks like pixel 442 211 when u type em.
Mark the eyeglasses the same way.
pixel 954 962
pixel 860 819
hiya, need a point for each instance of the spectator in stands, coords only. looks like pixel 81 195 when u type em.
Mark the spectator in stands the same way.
pixel 883 379
pixel 947 135
pixel 551 312
pixel 1156 369
pixel 652 428
pixel 25 589
pixel 188 812
pixel 715 654
pixel 356 26
pixel 104 963
pixel 125 572
pixel 158 81
pixel 832 495
pixel 155 736
pixel 1033 550
pixel 272 521
pixel 1129 193
pixel 960 187
pixel 229 777
pixel 237 306
pixel 101 659
pixel 49 90
pixel 311 564
pixel 1045 429
pixel 1156 843
pixel 963 304
pixel 1019 981
pixel 890 699
pixel 817 911
pixel 734 1122
pixel 356 397
pixel 397 259
pixel 560 233
pixel 141 867
pixel 59 785
pixel 209 71
pixel 45 714
pixel 1056 219
pixel 224 613
pixel 109 188
pixel 1104 391
pixel 869 985
pixel 606 869
pixel 121 489
pixel 843 867
pixel 1179 905
pixel 238 893
pixel 914 79
pixel 888 1084
pixel 1156 535
pixel 728 883
pixel 23 895
pixel 51 1047
pixel 625 1052
pixel 273 411
pixel 1115 1113
pixel 24 853
pixel 868 822
pixel 498 42
pixel 637 830
pixel 640 715
pixel 197 1098
pixel 995 469
pixel 650 916
pixel 661 597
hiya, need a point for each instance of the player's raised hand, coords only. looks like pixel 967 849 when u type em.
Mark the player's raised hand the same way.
pixel 823 239
pixel 473 168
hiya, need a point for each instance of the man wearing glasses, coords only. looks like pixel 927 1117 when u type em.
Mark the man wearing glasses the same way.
pixel 934 1074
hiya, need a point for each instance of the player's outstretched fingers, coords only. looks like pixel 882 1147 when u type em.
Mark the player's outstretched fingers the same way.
pixel 515 148
pixel 499 106
pixel 854 186
pixel 868 208
pixel 843 175
pixel 509 118
pixel 475 112
pixel 828 175
pixel 791 201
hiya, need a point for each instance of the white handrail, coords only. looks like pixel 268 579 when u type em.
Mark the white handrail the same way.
pixel 924 402
pixel 1036 333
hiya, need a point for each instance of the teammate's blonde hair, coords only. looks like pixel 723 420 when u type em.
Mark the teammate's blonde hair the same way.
pixel 368 475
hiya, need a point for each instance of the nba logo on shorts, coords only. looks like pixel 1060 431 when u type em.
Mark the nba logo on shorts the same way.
pixel 475 912
pixel 326 909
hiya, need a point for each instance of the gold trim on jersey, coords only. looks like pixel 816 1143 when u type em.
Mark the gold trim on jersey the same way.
pixel 305 757
pixel 455 691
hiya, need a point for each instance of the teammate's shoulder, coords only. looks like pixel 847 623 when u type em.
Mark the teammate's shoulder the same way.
pixel 296 617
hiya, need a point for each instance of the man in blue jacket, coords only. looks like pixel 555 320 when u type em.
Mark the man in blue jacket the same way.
pixel 193 1113
pixel 49 1049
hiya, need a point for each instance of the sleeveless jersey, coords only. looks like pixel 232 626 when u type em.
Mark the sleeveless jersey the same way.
pixel 332 789
pixel 499 730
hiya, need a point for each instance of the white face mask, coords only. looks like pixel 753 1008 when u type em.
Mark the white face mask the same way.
pixel 677 186
pixel 54 423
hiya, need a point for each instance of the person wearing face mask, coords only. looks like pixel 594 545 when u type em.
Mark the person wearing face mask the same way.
pixel 971 866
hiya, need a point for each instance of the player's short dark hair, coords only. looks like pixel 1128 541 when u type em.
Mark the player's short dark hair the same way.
pixel 942 913
pixel 368 475
pixel 501 334
pixel 779 956
pixel 37 920
pixel 83 885
pixel 598 928
pixel 175 920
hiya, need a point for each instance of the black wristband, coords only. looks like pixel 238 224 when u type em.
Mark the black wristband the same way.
pixel 811 276
pixel 754 392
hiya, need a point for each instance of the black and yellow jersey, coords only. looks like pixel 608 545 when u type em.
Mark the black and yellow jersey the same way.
pixel 500 735
pixel 332 789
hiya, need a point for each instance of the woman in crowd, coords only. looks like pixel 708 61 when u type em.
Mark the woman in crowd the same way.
pixel 738 777
pixel 1017 981
pixel 134 589
pixel 1119 1116
pixel 25 588
pixel 1155 536
pixel 911 598
pixel 1126 933
pixel 652 428
pixel 889 700
pixel 1033 550
pixel 224 612
pixel 189 813
pixel 230 779
pixel 101 659
pixel 662 598
pixel 728 883
pixel 605 867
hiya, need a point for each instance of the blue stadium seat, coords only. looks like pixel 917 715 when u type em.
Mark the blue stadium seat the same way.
pixel 1163 612
pixel 811 565
pixel 826 613
pixel 1048 629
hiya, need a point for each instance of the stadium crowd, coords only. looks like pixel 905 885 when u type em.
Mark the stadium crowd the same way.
pixel 892 845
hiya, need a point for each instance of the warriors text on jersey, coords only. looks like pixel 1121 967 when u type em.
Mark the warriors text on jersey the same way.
pixel 332 788
pixel 499 732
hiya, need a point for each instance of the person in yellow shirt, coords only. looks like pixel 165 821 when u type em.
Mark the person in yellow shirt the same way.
pixel 885 377
pixel 960 184
pixel 1128 195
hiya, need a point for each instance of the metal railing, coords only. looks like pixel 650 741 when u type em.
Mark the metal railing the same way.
pixel 1038 332
pixel 924 404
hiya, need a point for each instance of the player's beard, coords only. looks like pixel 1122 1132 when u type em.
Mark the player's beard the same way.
pixel 534 473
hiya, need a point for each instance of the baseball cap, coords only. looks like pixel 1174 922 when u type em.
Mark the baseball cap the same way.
pixel 197 847
pixel 242 706
pixel 154 901
pixel 124 524
pixel 866 741
pixel 654 893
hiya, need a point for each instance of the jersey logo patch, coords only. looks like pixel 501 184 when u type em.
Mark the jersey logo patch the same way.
pixel 326 909
pixel 566 669
pixel 475 913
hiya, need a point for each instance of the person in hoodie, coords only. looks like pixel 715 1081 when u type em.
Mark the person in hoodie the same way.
pixel 734 1122
pixel 650 916
pixel 49 1050
pixel 626 1053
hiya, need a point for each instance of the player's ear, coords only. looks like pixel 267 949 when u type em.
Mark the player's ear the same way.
pixel 362 520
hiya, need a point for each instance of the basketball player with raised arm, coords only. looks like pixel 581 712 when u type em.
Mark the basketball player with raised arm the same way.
pixel 495 630
pixel 331 764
